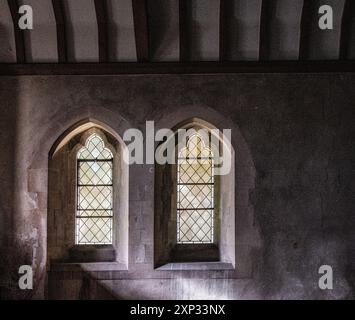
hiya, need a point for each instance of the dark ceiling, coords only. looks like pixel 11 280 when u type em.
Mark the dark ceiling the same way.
pixel 176 30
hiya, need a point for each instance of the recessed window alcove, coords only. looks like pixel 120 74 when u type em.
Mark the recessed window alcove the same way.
pixel 194 207
pixel 88 196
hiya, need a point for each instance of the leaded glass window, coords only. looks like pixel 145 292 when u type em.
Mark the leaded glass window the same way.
pixel 195 192
pixel 94 212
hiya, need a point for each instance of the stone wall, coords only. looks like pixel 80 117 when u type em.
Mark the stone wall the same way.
pixel 298 131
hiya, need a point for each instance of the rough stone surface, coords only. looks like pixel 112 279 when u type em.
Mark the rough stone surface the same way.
pixel 299 130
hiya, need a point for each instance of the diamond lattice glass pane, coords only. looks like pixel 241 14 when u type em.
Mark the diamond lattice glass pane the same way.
pixel 195 171
pixel 94 149
pixel 94 230
pixel 195 192
pixel 195 226
pixel 95 193
pixel 195 196
pixel 95 198
pixel 93 173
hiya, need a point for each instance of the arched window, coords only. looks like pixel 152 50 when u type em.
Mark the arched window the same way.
pixel 88 195
pixel 195 192
pixel 194 208
pixel 94 212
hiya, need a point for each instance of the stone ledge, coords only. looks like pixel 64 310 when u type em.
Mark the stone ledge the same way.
pixel 92 253
pixel 196 266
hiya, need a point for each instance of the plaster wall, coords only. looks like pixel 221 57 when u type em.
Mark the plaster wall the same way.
pixel 298 134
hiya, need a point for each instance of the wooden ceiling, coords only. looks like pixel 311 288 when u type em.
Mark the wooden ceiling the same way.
pixel 202 33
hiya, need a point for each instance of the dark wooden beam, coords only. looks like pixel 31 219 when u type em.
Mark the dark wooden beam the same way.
pixel 19 34
pixel 346 24
pixel 299 67
pixel 59 14
pixel 265 32
pixel 223 30
pixel 140 17
pixel 102 25
pixel 308 14
pixel 184 27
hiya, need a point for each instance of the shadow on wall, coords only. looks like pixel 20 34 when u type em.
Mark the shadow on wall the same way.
pixel 6 53
pixel 86 287
pixel 19 219
pixel 14 251
pixel 162 35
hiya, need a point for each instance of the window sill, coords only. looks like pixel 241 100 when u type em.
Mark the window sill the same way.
pixel 179 266
pixel 202 253
pixel 90 253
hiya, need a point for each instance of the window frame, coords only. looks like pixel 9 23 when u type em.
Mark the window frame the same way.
pixel 78 186
pixel 195 252
pixel 179 163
